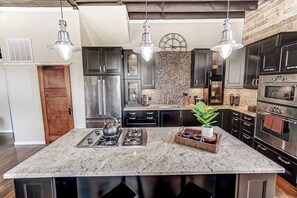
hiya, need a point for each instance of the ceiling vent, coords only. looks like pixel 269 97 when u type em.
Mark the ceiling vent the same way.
pixel 19 50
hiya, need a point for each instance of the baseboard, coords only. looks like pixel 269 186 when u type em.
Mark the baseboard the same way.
pixel 6 131
pixel 29 143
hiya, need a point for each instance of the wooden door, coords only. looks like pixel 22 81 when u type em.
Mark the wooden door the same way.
pixel 55 93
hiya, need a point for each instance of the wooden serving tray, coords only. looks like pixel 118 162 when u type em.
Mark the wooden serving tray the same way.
pixel 210 147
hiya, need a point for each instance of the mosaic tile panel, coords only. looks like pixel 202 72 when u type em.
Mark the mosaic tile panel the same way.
pixel 173 74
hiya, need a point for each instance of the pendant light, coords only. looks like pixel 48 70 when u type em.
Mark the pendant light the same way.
pixel 146 48
pixel 63 45
pixel 227 43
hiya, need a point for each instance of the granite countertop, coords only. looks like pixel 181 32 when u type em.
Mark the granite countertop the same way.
pixel 161 156
pixel 240 108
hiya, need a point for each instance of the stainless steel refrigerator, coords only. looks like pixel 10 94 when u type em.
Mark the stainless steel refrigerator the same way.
pixel 102 99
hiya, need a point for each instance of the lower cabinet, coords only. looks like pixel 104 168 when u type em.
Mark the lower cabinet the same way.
pixel 189 119
pixel 235 131
pixel 141 119
pixel 171 118
pixel 247 139
pixel 281 158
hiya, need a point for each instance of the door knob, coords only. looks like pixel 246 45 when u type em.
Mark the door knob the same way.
pixel 69 111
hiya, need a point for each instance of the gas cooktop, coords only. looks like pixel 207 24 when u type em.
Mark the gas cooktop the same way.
pixel 126 137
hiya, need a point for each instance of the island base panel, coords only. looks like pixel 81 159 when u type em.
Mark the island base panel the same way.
pixel 239 186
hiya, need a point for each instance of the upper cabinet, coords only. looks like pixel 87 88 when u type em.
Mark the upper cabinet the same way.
pixel 147 73
pixel 131 65
pixel 252 66
pixel 201 60
pixel 235 69
pixel 289 58
pixel 100 61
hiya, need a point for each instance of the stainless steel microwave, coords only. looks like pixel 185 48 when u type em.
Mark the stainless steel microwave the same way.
pixel 278 89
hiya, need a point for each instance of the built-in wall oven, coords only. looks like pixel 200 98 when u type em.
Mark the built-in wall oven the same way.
pixel 276 121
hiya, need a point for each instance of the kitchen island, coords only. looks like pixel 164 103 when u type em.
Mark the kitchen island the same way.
pixel 235 169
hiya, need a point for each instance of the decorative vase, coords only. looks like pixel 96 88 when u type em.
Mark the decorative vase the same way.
pixel 207 131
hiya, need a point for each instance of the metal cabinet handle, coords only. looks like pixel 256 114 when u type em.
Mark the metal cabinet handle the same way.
pixel 150 113
pixel 180 114
pixel 282 160
pixel 149 118
pixel 100 68
pixel 99 97
pixel 262 148
pixel 247 118
pixel 196 82
pixel 236 114
pixel 104 97
pixel 104 68
pixel 253 82
pixel 257 82
pixel 131 118
pixel 235 131
pixel 246 137
pixel 132 113
pixel 246 124
pixel 236 119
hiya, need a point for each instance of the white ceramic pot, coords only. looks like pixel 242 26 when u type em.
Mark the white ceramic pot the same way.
pixel 207 131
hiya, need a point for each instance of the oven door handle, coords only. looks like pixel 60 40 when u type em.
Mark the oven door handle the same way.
pixel 287 120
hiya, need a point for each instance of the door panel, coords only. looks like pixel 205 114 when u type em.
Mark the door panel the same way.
pixel 113 60
pixel 55 93
pixel 93 90
pixel 112 96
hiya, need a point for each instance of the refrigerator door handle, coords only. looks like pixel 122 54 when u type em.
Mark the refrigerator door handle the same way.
pixel 99 97
pixel 104 97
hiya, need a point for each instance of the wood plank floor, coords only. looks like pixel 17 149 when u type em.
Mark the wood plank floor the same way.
pixel 11 155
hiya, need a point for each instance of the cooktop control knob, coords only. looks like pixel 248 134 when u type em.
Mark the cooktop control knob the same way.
pixel 271 109
pixel 97 132
pixel 90 140
pixel 278 111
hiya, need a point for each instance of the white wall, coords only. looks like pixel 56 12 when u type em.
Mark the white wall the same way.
pixel 42 27
pixel 5 119
pixel 23 90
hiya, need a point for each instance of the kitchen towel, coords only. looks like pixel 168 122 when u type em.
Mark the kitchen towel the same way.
pixel 268 121
pixel 277 125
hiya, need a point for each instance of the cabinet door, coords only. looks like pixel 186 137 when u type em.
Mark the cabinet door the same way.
pixel 189 119
pixel 112 60
pixel 201 64
pixel 247 139
pixel 269 43
pixel 92 61
pixel 147 73
pixel 269 61
pixel 170 118
pixel 226 120
pixel 289 58
pixel 132 92
pixel 251 72
pixel 235 69
pixel 219 119
pixel 131 65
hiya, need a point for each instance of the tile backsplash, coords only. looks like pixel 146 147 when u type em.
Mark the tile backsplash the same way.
pixel 173 75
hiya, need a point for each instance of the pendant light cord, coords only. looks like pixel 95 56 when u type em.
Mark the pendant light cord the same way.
pixel 228 9
pixel 145 10
pixel 61 9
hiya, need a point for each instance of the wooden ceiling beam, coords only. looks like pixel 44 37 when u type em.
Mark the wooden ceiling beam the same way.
pixel 156 1
pixel 210 15
pixel 190 7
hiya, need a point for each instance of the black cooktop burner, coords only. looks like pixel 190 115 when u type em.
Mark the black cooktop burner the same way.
pixel 108 140
pixel 133 137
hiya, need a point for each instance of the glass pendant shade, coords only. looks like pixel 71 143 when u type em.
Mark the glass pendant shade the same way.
pixel 146 48
pixel 63 45
pixel 227 43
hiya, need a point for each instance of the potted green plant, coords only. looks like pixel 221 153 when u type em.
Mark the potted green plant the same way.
pixel 205 116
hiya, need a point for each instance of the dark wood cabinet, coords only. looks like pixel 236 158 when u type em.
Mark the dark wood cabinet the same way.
pixel 141 118
pixel 289 58
pixel 131 65
pixel 247 139
pixel 132 92
pixel 235 123
pixel 189 119
pixel 252 66
pixel 201 60
pixel 147 73
pixel 283 159
pixel 34 188
pixel 100 61
pixel 269 60
pixel 170 118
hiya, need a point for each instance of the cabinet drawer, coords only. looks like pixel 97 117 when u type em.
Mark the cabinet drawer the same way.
pixel 248 128
pixel 132 113
pixel 247 139
pixel 248 118
pixel 149 113
pixel 273 154
pixel 235 121
pixel 141 122
pixel 235 131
